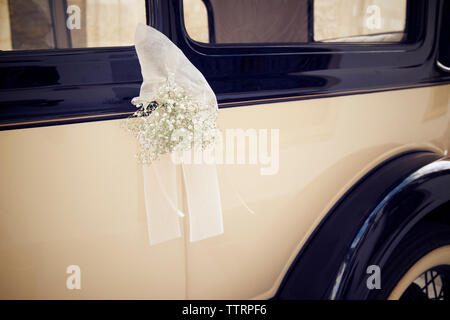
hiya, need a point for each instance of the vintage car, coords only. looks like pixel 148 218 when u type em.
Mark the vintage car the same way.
pixel 350 201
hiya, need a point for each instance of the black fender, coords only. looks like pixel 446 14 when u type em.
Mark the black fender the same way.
pixel 365 225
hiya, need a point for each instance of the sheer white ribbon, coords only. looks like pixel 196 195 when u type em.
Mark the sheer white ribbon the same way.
pixel 159 58
pixel 161 201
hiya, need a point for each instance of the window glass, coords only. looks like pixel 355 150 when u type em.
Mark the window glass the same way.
pixel 196 20
pixel 359 20
pixel 55 24
pixel 251 21
pixel 295 21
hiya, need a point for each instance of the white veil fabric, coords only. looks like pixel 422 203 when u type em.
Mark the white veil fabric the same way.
pixel 160 59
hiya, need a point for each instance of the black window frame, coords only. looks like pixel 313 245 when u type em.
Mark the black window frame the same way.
pixel 62 86
pixel 327 68
pixel 47 87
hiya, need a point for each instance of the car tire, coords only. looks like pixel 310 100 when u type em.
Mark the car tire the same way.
pixel 425 250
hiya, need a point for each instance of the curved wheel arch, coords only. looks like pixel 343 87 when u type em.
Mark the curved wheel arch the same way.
pixel 365 225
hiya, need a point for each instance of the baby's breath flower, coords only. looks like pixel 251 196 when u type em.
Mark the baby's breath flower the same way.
pixel 172 122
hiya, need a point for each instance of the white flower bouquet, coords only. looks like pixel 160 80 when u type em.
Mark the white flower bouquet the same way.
pixel 174 121
pixel 177 109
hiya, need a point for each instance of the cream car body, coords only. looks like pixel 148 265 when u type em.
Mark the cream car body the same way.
pixel 72 194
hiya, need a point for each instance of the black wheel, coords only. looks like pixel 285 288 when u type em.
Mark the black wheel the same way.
pixel 419 268
pixel 433 284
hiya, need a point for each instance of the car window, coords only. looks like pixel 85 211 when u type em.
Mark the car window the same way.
pixel 57 24
pixel 295 21
pixel 359 20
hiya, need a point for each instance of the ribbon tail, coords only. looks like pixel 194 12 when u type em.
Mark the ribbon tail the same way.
pixel 203 200
pixel 160 194
pixel 171 202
